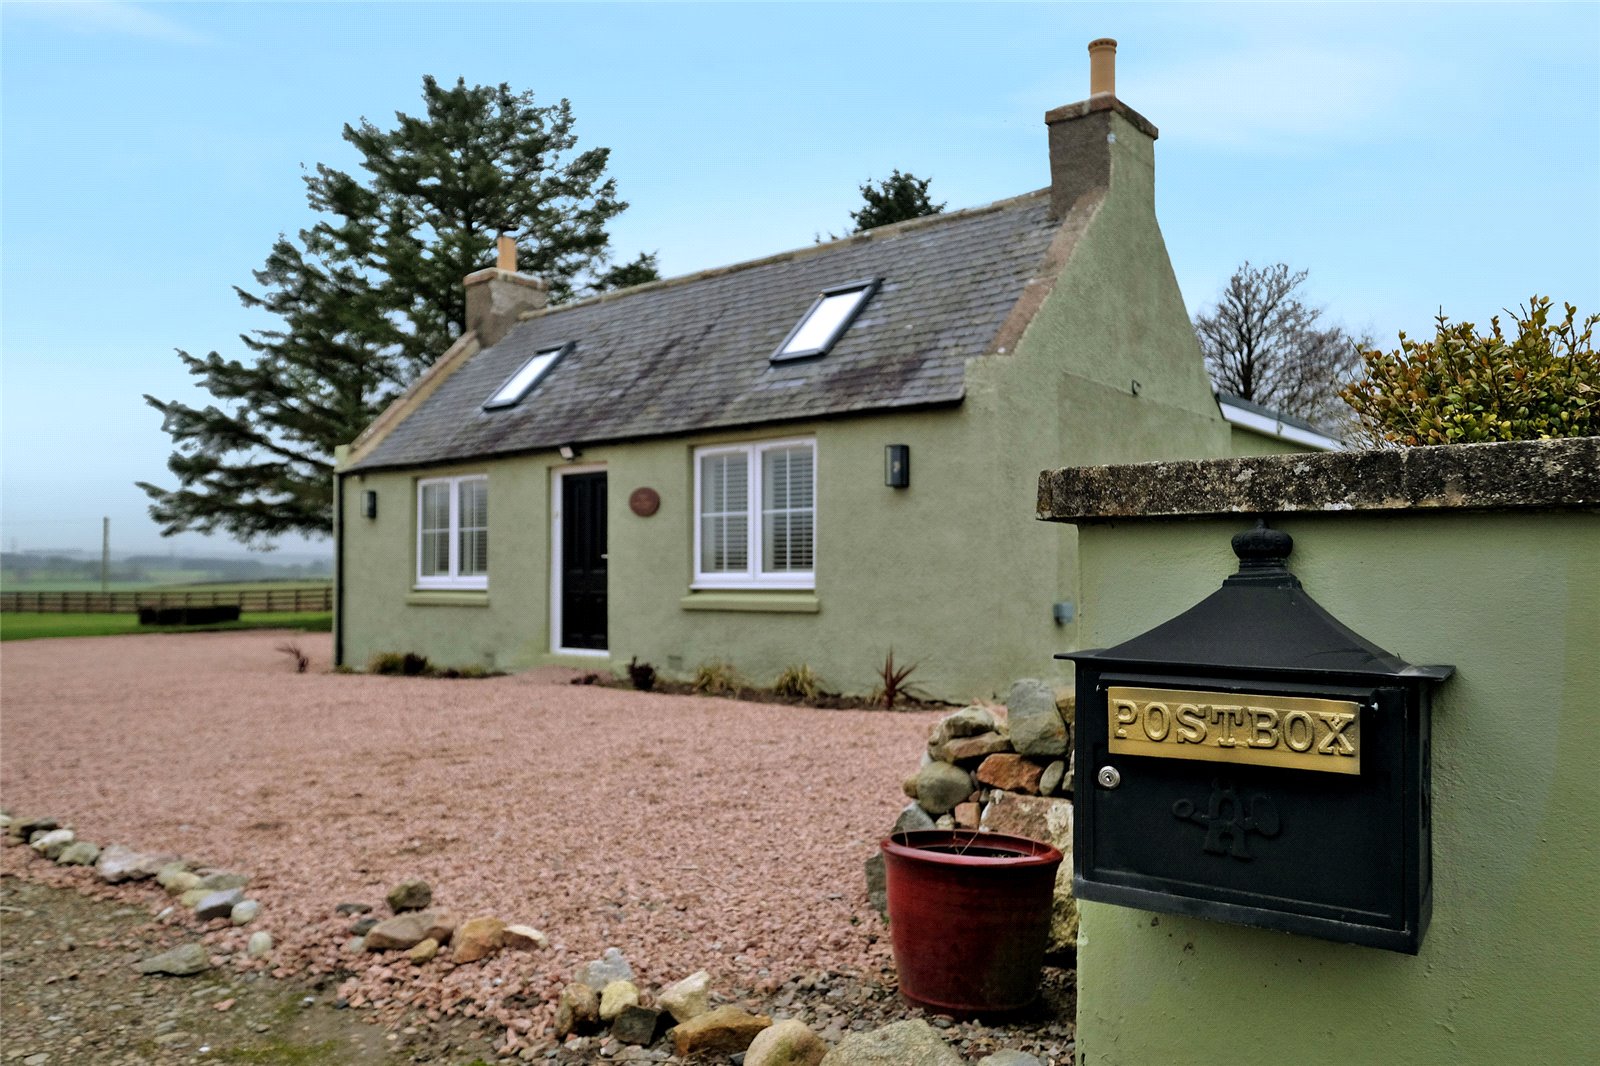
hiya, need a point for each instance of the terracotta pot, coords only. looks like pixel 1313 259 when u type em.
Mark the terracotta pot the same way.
pixel 969 915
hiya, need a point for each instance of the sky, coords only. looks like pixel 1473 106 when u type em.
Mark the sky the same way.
pixel 1411 157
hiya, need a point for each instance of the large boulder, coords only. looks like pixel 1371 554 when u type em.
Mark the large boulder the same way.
pixel 1048 820
pixel 726 1030
pixel 788 1043
pixel 941 786
pixel 908 1043
pixel 1037 727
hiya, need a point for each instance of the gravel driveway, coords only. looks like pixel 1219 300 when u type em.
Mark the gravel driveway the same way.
pixel 693 833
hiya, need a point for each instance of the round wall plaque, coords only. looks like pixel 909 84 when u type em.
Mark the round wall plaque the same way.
pixel 644 502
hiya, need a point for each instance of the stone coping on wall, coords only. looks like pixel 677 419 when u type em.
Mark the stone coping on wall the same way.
pixel 1541 475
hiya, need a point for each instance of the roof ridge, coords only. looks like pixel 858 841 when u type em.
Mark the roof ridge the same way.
pixel 893 229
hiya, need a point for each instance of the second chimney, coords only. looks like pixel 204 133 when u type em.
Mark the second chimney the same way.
pixel 1083 136
pixel 498 295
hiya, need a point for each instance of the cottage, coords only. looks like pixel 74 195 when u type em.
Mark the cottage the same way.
pixel 812 458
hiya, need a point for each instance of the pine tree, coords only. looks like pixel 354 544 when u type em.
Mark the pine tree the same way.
pixel 370 294
pixel 895 199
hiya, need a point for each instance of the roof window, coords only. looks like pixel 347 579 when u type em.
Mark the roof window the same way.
pixel 830 315
pixel 527 376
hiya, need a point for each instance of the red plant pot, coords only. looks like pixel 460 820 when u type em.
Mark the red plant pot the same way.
pixel 969 916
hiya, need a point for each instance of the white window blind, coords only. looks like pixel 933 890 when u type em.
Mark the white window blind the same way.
pixel 755 515
pixel 453 532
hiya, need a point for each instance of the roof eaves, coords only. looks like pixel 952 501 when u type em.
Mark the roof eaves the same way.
pixel 464 348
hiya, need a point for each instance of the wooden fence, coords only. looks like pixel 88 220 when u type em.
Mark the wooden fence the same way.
pixel 255 600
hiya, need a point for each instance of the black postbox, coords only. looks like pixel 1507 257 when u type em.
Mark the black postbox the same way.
pixel 1253 760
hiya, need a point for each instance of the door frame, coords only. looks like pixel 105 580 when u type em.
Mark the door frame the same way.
pixel 556 588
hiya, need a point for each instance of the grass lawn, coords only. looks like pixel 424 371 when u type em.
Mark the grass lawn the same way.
pixel 25 625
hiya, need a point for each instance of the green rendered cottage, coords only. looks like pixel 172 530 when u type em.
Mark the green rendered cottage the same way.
pixel 811 458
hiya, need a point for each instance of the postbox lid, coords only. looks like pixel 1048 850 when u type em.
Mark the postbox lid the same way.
pixel 1261 619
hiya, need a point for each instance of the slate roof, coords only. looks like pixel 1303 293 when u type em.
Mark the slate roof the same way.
pixel 691 354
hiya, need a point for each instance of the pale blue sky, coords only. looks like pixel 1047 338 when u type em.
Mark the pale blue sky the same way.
pixel 1409 156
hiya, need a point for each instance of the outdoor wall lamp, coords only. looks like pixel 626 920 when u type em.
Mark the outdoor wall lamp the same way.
pixel 569 452
pixel 369 503
pixel 897 465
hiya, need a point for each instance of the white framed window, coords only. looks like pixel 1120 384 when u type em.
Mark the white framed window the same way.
pixel 453 532
pixel 756 515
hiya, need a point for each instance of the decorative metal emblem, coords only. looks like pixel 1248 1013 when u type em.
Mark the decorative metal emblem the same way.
pixel 644 502
pixel 1227 820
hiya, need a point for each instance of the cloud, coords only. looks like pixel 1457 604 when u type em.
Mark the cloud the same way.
pixel 107 17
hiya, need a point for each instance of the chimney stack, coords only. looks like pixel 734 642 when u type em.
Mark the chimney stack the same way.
pixel 498 295
pixel 1091 138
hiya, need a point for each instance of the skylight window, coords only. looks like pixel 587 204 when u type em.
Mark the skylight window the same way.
pixel 826 321
pixel 527 376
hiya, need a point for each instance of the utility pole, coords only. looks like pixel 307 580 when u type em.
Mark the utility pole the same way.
pixel 105 554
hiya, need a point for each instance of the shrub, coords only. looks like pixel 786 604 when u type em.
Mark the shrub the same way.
pixel 407 664
pixel 301 659
pixel 892 681
pixel 1462 387
pixel 643 675
pixel 798 682
pixel 715 679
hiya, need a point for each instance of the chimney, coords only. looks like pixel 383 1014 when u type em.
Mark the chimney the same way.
pixel 1090 140
pixel 498 295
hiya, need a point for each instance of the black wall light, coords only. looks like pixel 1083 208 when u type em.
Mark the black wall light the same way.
pixel 897 465
pixel 369 504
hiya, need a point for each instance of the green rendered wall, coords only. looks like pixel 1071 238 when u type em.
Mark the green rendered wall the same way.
pixel 1510 967
pixel 952 573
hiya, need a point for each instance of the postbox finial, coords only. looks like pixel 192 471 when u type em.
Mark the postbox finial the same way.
pixel 1263 555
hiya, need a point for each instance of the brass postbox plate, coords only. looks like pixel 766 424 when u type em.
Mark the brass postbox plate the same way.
pixel 1296 732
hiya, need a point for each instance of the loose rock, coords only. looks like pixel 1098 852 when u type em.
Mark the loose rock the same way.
pixel 578 1010
pixel 423 952
pixel 218 904
pixel 79 853
pixel 220 881
pixel 688 998
pixel 119 863
pixel 344 910
pixel 51 843
pixel 1008 1057
pixel 244 912
pixel 788 1043
pixel 908 1043
pixel 412 895
pixel 177 879
pixel 912 818
pixel 1037 727
pixel 260 945
pixel 477 938
pixel 967 722
pixel 635 1024
pixel 181 961
pixel 726 1029
pixel 361 926
pixel 398 933
pixel 616 997
pixel 611 966
pixel 192 898
pixel 971 749
pixel 525 938
pixel 966 815
pixel 877 884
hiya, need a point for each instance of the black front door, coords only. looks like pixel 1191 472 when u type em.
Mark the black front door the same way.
pixel 583 561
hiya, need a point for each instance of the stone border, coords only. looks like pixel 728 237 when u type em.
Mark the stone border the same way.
pixel 1542 475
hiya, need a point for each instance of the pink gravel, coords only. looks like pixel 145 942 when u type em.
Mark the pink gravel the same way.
pixel 691 833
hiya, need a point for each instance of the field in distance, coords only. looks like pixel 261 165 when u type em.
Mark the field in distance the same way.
pixel 25 625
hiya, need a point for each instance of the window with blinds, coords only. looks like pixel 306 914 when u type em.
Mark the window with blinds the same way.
pixel 755 515
pixel 453 532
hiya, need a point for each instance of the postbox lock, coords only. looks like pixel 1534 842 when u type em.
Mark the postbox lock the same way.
pixel 1108 777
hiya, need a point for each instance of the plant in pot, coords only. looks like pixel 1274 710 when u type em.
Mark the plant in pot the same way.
pixel 969 917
